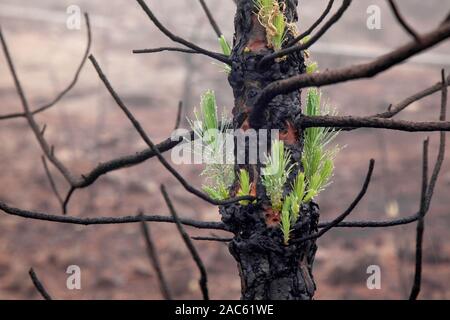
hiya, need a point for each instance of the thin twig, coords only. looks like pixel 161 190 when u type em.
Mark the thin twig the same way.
pixel 46 148
pixel 211 19
pixel 371 122
pixel 170 35
pixel 67 199
pixel 428 196
pixel 106 220
pixel 442 144
pixel 397 108
pixel 218 239
pixel 154 259
pixel 38 285
pixel 313 26
pixel 179 112
pixel 347 212
pixel 420 225
pixel 162 49
pixel 203 282
pixel 402 21
pixel 373 224
pixel 52 182
pixel 360 71
pixel 71 84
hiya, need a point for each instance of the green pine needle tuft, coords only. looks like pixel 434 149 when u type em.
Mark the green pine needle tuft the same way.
pixel 245 186
pixel 226 50
pixel 207 127
pixel 318 161
pixel 225 46
pixel 285 222
pixel 276 172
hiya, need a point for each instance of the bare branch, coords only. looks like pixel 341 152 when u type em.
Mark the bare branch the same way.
pixel 420 225
pixel 371 122
pixel 46 148
pixel 162 49
pixel 170 35
pixel 347 212
pixel 154 259
pixel 373 224
pixel 402 21
pixel 442 144
pixel 365 70
pixel 179 112
pixel 107 220
pixel 52 182
pixel 218 239
pixel 313 26
pixel 203 282
pixel 38 285
pixel 71 84
pixel 397 108
pixel 211 19
pixel 427 196
pixel 126 161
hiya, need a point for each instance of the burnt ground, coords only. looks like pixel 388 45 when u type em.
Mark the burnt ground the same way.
pixel 87 128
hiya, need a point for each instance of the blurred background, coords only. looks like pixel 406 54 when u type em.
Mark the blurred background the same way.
pixel 87 128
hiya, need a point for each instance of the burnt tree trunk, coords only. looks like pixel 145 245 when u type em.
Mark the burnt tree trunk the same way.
pixel 268 268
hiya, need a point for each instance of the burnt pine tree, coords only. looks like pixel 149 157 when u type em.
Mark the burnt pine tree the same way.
pixel 274 233
pixel 268 269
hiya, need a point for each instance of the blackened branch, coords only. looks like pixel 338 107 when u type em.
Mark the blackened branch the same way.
pixel 360 71
pixel 102 168
pixel 427 196
pixel 397 108
pixel 173 37
pixel 347 212
pixel 52 182
pixel 371 122
pixel 69 87
pixel 442 145
pixel 162 49
pixel 420 225
pixel 203 282
pixel 313 26
pixel 373 224
pixel 154 259
pixel 402 20
pixel 107 220
pixel 38 285
pixel 212 238
pixel 46 148
pixel 179 114
pixel 211 19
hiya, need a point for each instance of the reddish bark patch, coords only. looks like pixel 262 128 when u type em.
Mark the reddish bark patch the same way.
pixel 257 37
pixel 245 125
pixel 290 135
pixel 272 217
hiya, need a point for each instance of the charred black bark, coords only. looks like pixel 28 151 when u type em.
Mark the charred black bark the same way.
pixel 268 269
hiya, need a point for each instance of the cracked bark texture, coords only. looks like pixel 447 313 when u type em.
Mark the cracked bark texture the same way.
pixel 269 270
